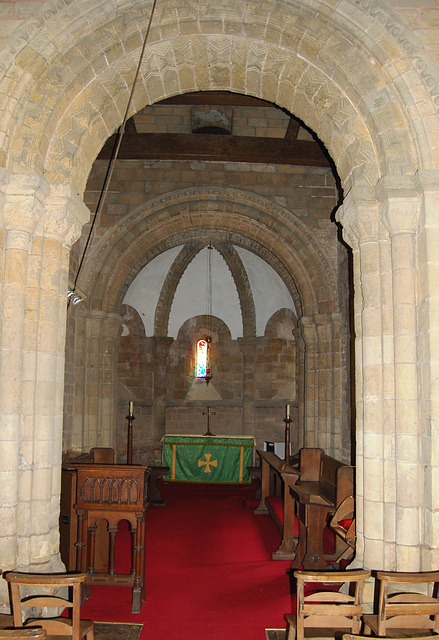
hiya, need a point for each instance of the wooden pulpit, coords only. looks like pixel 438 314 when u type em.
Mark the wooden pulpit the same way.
pixel 112 493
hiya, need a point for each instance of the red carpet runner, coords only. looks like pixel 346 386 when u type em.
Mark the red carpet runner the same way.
pixel 209 572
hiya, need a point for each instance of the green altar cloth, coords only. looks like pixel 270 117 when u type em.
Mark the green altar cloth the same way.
pixel 216 459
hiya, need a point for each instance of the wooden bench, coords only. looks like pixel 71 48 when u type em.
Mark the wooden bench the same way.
pixel 276 500
pixel 323 484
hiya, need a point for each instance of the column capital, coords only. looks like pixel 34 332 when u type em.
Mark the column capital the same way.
pixel 400 203
pixel 29 204
pixel 359 216
pixel 65 215
pixel 247 345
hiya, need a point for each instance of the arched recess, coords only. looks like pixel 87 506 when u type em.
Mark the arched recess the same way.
pixel 198 216
pixel 180 264
pixel 219 213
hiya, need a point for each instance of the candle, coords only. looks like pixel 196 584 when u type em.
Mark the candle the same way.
pixel 287 411
pixel 131 407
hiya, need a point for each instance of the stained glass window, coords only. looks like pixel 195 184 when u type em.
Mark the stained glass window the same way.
pixel 201 358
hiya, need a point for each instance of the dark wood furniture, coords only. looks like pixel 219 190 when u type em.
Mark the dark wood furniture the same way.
pixel 68 521
pixel 276 500
pixel 343 525
pixel 42 586
pixel 414 605
pixel 327 612
pixel 323 484
pixel 112 493
pixel 155 473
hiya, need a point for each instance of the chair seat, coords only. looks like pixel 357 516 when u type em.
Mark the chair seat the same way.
pixel 6 621
pixel 399 626
pixel 85 626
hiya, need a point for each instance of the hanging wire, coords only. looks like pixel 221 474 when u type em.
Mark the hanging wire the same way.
pixel 209 289
pixel 209 308
pixel 72 296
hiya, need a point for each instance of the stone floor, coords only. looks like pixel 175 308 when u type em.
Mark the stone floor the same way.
pixel 116 631
pixel 275 634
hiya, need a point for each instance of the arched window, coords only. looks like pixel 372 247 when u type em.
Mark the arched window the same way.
pixel 201 358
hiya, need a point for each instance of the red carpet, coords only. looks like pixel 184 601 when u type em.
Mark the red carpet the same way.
pixel 209 572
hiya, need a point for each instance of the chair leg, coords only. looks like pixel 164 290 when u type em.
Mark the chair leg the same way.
pixel 291 632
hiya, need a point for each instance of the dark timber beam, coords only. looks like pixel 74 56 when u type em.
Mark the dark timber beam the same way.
pixel 216 148
pixel 217 98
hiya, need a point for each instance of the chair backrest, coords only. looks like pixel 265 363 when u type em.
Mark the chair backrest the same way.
pixel 350 636
pixel 409 606
pixel 23 633
pixel 343 521
pixel 326 608
pixel 40 590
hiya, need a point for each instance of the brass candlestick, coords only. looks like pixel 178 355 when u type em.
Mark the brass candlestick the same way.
pixel 287 421
pixel 130 417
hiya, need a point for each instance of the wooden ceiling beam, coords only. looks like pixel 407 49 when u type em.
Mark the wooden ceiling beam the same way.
pixel 217 148
pixel 217 98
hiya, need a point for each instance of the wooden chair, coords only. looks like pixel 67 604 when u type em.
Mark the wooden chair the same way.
pixel 6 621
pixel 350 636
pixel 343 525
pixel 405 609
pixel 23 633
pixel 325 612
pixel 22 584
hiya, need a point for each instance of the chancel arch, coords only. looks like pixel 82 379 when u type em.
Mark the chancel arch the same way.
pixel 360 78
pixel 303 267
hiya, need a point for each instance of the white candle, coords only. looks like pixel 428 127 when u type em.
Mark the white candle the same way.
pixel 287 410
pixel 131 407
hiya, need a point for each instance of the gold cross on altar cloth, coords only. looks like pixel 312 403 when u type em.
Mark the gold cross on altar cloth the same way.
pixel 209 413
pixel 208 463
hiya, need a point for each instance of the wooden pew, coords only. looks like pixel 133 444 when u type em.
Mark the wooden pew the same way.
pixel 276 500
pixel 323 484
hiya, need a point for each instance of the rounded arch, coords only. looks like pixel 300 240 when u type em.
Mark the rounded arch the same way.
pixel 179 266
pixel 65 104
pixel 223 215
pixel 283 324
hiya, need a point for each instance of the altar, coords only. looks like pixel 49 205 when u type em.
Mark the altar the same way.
pixel 204 459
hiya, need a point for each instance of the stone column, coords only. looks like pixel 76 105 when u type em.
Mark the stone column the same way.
pixel 374 378
pixel 248 350
pixel 307 329
pixel 96 355
pixel 162 346
pixel 428 360
pixel 300 378
pixel 40 224
pixel 400 212
pixel 328 359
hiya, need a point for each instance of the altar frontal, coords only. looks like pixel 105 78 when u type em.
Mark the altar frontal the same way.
pixel 203 459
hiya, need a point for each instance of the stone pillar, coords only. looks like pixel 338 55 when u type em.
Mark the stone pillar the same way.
pixel 40 223
pixel 310 401
pixel 248 350
pixel 374 379
pixel 400 213
pixel 300 378
pixel 162 346
pixel 96 356
pixel 328 363
pixel 428 360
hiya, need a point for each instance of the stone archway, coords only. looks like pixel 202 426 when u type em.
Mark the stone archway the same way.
pixel 221 214
pixel 59 108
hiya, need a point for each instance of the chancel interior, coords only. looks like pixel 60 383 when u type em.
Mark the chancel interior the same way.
pixel 219 220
